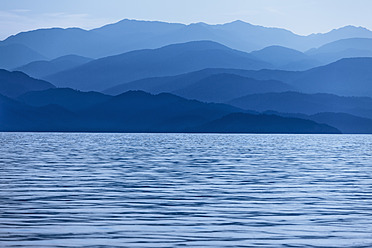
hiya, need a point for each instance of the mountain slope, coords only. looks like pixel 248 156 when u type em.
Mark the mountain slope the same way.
pixel 42 68
pixel 13 84
pixel 143 112
pixel 347 77
pixel 309 104
pixel 224 87
pixel 14 55
pixel 15 116
pixel 346 123
pixel 57 42
pixel 178 82
pixel 139 111
pixel 67 98
pixel 285 58
pixel 345 48
pixel 128 35
pixel 170 60
pixel 247 123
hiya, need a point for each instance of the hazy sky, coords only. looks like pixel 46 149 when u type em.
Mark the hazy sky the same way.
pixel 299 16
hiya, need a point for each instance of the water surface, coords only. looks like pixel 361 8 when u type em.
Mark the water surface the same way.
pixel 177 190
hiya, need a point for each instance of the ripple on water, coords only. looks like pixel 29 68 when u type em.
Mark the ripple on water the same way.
pixel 169 190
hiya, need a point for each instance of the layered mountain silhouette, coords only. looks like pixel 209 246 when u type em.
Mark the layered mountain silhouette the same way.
pixel 309 104
pixel 14 55
pixel 225 87
pixel 15 116
pixel 173 83
pixel 286 59
pixel 346 123
pixel 13 84
pixel 69 99
pixel 137 111
pixel 247 123
pixel 128 35
pixel 56 42
pixel 169 77
pixel 209 85
pixel 346 77
pixel 345 48
pixel 43 68
pixel 175 59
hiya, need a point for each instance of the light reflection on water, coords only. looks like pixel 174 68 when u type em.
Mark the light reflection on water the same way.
pixel 170 190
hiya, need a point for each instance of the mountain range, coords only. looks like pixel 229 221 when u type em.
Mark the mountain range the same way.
pixel 295 102
pixel 138 76
pixel 44 68
pixel 170 60
pixel 137 111
pixel 128 35
pixel 13 84
pixel 346 77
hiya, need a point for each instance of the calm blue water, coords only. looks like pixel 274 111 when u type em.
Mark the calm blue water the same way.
pixel 177 190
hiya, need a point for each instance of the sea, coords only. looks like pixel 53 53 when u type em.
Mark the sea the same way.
pixel 185 190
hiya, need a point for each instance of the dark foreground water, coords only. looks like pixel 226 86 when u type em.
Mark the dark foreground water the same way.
pixel 177 190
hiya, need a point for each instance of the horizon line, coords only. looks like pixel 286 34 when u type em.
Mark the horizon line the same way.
pixel 187 24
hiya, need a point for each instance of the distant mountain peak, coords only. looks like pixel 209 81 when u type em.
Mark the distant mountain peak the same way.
pixel 203 24
pixel 200 44
pixel 238 22
pixel 351 27
pixel 346 29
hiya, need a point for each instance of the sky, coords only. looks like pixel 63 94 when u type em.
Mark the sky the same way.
pixel 300 16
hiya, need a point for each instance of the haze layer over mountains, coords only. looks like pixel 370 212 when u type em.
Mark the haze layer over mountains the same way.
pixel 140 76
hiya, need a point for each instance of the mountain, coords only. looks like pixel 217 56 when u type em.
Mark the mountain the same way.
pixel 285 58
pixel 137 111
pixel 69 99
pixel 15 116
pixel 346 32
pixel 345 48
pixel 175 59
pixel 173 83
pixel 13 84
pixel 224 87
pixel 346 123
pixel 127 29
pixel 309 104
pixel 248 123
pixel 57 42
pixel 129 35
pixel 247 37
pixel 14 55
pixel 362 44
pixel 43 68
pixel 346 77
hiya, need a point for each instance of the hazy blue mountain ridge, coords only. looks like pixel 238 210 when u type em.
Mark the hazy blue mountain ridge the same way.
pixel 43 68
pixel 128 35
pixel 346 123
pixel 13 84
pixel 137 111
pixel 14 55
pixel 171 60
pixel 309 104
pixel 224 87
